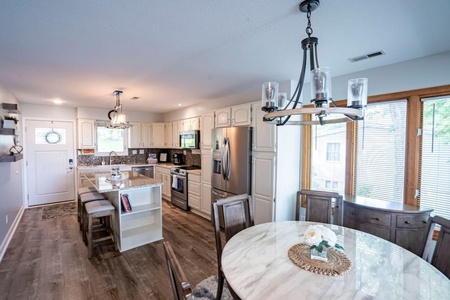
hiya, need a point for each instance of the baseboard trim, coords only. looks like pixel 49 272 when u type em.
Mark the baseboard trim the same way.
pixel 10 233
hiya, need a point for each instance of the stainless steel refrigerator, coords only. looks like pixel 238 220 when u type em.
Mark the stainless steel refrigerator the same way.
pixel 231 162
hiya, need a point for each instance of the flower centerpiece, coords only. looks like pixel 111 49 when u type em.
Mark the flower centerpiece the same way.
pixel 320 238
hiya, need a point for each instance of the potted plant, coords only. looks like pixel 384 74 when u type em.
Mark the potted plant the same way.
pixel 10 122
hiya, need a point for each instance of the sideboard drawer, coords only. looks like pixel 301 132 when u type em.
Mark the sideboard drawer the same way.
pixel 368 216
pixel 411 221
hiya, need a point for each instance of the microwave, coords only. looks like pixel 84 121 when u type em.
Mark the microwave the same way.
pixel 190 139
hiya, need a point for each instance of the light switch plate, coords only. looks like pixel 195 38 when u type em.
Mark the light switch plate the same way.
pixel 141 151
pixel 134 151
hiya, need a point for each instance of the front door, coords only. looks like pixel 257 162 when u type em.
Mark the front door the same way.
pixel 50 173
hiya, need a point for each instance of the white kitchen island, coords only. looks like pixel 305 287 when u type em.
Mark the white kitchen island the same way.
pixel 143 224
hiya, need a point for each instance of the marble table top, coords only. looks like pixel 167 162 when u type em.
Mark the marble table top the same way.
pixel 103 182
pixel 256 264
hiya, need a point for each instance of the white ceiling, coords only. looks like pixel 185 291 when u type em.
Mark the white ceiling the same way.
pixel 186 52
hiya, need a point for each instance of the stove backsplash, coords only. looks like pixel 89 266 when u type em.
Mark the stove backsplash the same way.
pixel 91 160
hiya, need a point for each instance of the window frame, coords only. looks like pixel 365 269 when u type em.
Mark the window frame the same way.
pixel 125 140
pixel 414 110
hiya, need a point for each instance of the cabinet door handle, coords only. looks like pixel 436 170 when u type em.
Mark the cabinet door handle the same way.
pixel 353 214
pixel 407 222
pixel 376 219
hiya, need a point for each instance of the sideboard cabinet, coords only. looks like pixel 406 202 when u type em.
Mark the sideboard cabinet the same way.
pixel 396 222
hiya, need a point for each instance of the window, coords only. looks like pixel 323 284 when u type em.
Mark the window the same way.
pixel 333 152
pixel 380 151
pixel 435 156
pixel 110 140
pixel 51 136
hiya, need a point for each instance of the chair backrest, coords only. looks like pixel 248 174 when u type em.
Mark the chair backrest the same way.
pixel 237 212
pixel 441 255
pixel 321 206
pixel 180 287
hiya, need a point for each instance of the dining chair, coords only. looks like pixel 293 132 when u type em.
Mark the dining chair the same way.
pixel 440 255
pixel 180 286
pixel 237 212
pixel 321 206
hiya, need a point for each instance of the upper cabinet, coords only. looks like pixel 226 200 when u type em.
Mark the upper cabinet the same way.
pixel 264 135
pixel 207 122
pixel 168 135
pixel 158 133
pixel 238 115
pixel 189 124
pixel 146 135
pixel 139 135
pixel 175 135
pixel 86 134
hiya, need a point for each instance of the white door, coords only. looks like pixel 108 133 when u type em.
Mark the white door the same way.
pixel 49 147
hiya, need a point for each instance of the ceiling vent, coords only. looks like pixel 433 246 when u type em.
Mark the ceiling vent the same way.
pixel 366 56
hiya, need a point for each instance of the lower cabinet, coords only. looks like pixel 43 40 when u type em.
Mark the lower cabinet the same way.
pixel 205 205
pixel 194 191
pixel 163 175
pixel 403 227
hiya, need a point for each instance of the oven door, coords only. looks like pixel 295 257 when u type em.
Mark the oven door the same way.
pixel 179 186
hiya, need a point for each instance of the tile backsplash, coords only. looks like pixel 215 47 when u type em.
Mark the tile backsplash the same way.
pixel 91 160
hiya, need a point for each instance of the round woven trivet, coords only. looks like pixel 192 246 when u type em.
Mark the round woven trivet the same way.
pixel 338 263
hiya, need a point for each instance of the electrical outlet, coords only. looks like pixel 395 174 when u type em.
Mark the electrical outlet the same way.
pixel 141 151
pixel 134 151
pixel 7 219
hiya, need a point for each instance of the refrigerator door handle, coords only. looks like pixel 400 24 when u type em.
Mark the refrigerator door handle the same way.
pixel 228 159
pixel 224 159
pixel 217 194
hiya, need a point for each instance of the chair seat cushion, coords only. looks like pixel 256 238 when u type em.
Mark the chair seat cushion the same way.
pixel 91 196
pixel 98 206
pixel 86 189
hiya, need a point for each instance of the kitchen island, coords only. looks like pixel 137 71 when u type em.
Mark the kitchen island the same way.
pixel 141 225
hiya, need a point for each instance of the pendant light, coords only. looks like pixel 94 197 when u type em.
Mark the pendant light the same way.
pixel 118 120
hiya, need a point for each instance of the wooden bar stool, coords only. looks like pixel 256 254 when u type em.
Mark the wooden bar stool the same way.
pixel 99 209
pixel 85 198
pixel 81 191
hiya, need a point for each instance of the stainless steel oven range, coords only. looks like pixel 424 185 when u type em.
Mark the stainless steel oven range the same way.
pixel 179 186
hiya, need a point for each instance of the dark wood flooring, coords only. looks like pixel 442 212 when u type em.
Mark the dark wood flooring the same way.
pixel 47 259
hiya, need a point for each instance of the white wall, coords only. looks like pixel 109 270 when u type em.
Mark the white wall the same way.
pixel 11 200
pixel 132 116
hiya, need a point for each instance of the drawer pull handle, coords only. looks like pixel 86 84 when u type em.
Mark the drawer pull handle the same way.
pixel 353 214
pixel 376 219
pixel 407 222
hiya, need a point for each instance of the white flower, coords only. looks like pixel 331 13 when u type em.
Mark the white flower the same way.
pixel 315 234
pixel 329 236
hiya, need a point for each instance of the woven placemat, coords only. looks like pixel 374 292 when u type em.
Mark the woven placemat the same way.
pixel 338 263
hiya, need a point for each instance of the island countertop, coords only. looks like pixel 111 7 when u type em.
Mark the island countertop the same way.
pixel 130 179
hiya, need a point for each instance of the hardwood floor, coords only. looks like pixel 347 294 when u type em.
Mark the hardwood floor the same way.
pixel 47 259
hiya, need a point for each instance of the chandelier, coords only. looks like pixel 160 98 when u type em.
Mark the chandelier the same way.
pixel 118 120
pixel 279 112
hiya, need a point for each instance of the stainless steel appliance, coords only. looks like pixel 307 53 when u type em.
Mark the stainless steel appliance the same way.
pixel 148 171
pixel 179 192
pixel 179 186
pixel 231 162
pixel 190 139
pixel 177 159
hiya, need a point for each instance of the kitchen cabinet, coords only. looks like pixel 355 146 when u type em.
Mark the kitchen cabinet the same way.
pixel 238 115
pixel 207 124
pixel 401 224
pixel 86 133
pixel 168 136
pixel 140 135
pixel 275 170
pixel 158 133
pixel 189 124
pixel 205 205
pixel 175 135
pixel 194 191
pixel 163 175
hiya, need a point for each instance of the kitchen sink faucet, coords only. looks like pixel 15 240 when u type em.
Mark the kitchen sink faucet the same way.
pixel 110 156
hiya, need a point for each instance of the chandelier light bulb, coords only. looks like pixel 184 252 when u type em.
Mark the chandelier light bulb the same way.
pixel 357 93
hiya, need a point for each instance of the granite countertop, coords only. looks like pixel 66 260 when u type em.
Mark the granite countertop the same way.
pixel 103 182
pixel 382 204
pixel 198 172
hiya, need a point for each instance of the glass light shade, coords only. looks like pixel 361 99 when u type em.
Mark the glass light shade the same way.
pixel 282 98
pixel 357 93
pixel 269 96
pixel 119 119
pixel 321 86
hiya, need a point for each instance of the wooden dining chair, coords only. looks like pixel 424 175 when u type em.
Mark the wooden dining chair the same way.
pixel 320 207
pixel 180 286
pixel 237 212
pixel 440 257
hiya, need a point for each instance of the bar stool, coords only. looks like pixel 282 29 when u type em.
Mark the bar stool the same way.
pixel 99 209
pixel 85 198
pixel 81 191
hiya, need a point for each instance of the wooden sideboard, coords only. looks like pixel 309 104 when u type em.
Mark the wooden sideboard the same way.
pixel 396 222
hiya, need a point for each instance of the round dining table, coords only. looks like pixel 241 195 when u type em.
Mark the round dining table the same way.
pixel 256 265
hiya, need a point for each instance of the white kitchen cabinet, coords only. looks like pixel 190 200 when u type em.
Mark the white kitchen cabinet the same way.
pixel 168 139
pixel 207 124
pixel 189 124
pixel 146 135
pixel 264 136
pixel 134 135
pixel 238 115
pixel 158 132
pixel 194 191
pixel 205 205
pixel 175 135
pixel 195 123
pixel 162 174
pixel 86 133
pixel 276 174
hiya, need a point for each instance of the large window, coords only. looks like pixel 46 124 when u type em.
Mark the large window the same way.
pixel 435 156
pixel 380 152
pixel 400 152
pixel 110 140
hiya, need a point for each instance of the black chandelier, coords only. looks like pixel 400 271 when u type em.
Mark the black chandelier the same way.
pixel 279 112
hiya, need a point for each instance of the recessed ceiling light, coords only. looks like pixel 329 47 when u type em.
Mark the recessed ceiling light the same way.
pixel 57 101
pixel 179 104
